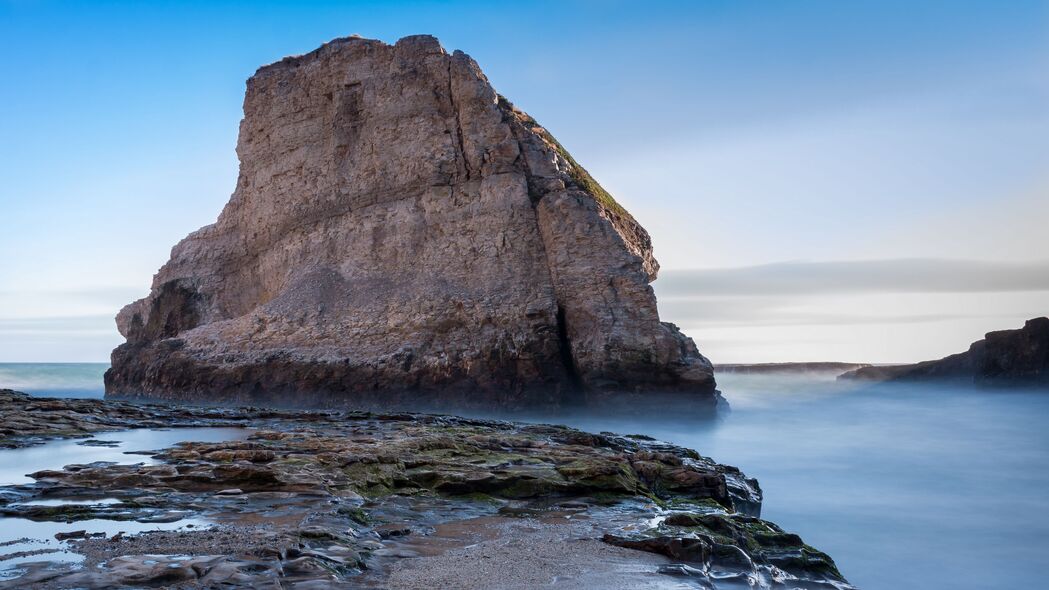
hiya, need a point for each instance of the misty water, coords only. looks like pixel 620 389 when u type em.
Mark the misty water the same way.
pixel 907 487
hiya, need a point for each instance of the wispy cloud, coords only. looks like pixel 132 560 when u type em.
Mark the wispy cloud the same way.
pixel 876 310
pixel 39 304
pixel 80 338
pixel 917 275
pixel 785 311
pixel 87 324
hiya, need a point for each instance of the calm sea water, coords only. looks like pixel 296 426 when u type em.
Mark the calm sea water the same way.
pixel 54 379
pixel 907 487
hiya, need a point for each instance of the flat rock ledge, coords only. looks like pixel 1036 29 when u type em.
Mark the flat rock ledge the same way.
pixel 801 368
pixel 403 236
pixel 360 500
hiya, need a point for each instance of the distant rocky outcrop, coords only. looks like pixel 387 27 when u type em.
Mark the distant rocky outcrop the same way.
pixel 1006 357
pixel 400 234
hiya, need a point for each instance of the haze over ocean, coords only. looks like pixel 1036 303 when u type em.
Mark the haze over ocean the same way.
pixel 747 137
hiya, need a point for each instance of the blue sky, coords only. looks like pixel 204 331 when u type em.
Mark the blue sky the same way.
pixel 741 134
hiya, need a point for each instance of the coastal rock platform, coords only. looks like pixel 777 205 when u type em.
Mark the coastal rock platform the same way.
pixel 333 499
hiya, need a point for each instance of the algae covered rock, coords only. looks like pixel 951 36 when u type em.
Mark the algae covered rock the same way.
pixel 734 546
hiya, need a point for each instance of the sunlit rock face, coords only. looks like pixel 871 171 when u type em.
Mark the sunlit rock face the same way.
pixel 401 234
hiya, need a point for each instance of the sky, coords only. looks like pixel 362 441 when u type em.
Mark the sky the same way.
pixel 823 180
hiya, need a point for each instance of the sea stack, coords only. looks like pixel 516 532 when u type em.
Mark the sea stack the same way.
pixel 403 236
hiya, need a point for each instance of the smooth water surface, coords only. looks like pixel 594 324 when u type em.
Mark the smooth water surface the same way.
pixel 907 487
pixel 16 463
pixel 54 379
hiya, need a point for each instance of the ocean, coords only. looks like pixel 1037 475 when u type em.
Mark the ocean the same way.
pixel 906 486
pixel 54 379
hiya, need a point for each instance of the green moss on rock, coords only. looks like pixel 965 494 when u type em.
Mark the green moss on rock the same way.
pixel 578 174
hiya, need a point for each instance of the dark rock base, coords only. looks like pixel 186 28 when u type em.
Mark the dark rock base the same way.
pixel 161 372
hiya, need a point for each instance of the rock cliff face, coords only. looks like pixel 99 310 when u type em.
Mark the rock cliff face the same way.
pixel 401 234
pixel 1005 357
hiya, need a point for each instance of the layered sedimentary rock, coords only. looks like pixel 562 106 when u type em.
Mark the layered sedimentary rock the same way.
pixel 1005 357
pixel 400 233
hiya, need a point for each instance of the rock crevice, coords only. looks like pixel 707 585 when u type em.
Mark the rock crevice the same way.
pixel 401 234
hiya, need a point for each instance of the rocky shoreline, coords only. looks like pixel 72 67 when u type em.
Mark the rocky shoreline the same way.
pixel 1014 358
pixel 317 499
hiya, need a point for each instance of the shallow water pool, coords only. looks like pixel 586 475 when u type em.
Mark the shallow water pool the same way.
pixel 15 464
pixel 24 541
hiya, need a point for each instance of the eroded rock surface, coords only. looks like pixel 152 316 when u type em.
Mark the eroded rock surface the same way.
pixel 1006 357
pixel 401 234
pixel 359 500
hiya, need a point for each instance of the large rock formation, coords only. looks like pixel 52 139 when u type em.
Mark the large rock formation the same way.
pixel 1006 357
pixel 400 233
